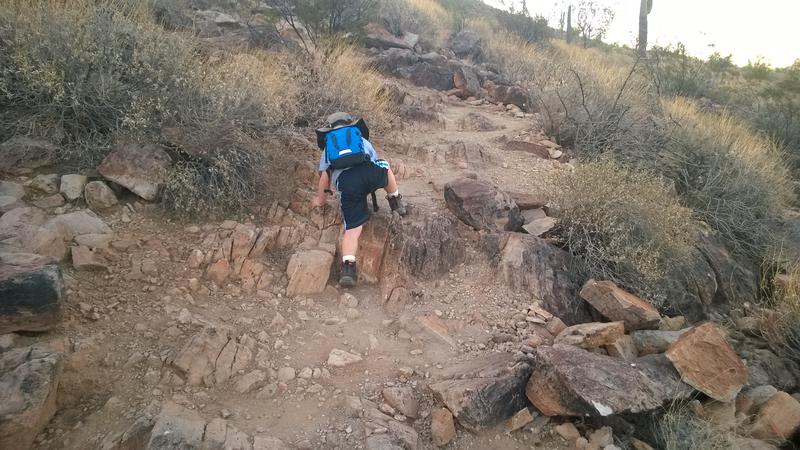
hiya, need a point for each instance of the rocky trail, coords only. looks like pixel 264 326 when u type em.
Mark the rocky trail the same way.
pixel 234 334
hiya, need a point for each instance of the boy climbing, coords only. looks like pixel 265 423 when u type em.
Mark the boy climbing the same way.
pixel 350 163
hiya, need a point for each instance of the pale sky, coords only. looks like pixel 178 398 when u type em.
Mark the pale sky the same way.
pixel 744 28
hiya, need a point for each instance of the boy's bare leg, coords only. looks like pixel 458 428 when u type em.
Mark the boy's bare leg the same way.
pixel 350 241
pixel 391 184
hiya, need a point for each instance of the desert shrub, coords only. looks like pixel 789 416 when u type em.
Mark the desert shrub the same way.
pixel 735 180
pixel 527 28
pixel 679 429
pixel 425 17
pixel 314 20
pixel 780 321
pixel 623 225
pixel 675 72
pixel 342 80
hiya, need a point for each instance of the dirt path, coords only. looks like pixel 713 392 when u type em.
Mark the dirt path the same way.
pixel 125 326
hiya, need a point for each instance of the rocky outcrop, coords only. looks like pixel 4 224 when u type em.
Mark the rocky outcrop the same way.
pixel 29 380
pixel 72 186
pixel 140 168
pixel 32 292
pixel 735 283
pixel 466 82
pixel 617 304
pixel 467 44
pixel 308 272
pixel 484 392
pixel 708 363
pixel 99 196
pixel 508 95
pixel 531 264
pixel 376 36
pixel 482 206
pixel 429 75
pixel 569 381
pixel 591 335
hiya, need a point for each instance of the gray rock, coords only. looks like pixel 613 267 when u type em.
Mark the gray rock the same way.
pixel 569 381
pixel 32 290
pixel 72 186
pixel 140 168
pixel 29 379
pixel 79 223
pixel 99 196
pixel 11 189
pixel 482 206
pixel 24 152
pixel 49 184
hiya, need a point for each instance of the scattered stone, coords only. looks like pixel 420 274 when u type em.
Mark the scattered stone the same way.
pixel 601 438
pixel 569 381
pixel 247 382
pixel 142 169
pixel 539 227
pixel 778 420
pixel 99 196
pixel 623 348
pixel 32 293
pixel 50 202
pixel 341 358
pixel 591 335
pixel 286 374
pixel 568 431
pixel 48 184
pixel 436 327
pixel 269 443
pixel 484 392
pixel 95 241
pixel 178 427
pixel 555 326
pixel 29 378
pixel 72 186
pixel 648 342
pixel 196 259
pixel 84 258
pixel 79 223
pixel 403 400
pixel 482 206
pixel 708 363
pixel 443 430
pixel 198 357
pixel 519 420
pixel 308 272
pixel 618 305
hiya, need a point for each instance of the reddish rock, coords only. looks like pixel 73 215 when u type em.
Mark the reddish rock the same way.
pixel 778 420
pixel 195 260
pixel 197 359
pixel 569 381
pixel 519 420
pixel 708 363
pixel 528 201
pixel 466 82
pixel 591 335
pixel 403 400
pixel 482 206
pixel 140 168
pixel 555 326
pixel 219 272
pixel 84 258
pixel 529 147
pixel 266 240
pixel 623 348
pixel 244 238
pixel 32 293
pixel 371 249
pixel 308 272
pixel 99 196
pixel 443 430
pixel 616 304
pixel 250 274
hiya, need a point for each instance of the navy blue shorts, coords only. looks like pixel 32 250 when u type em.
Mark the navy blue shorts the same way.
pixel 354 185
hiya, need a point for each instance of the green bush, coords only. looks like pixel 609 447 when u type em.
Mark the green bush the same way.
pixel 624 225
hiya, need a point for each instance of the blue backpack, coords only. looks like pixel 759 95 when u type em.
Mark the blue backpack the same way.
pixel 344 147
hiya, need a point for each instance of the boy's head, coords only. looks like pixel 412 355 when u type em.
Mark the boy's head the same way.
pixel 339 119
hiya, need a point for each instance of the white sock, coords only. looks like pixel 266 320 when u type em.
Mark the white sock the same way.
pixel 393 194
pixel 347 258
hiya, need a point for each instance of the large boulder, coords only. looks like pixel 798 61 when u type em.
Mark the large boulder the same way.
pixel 778 419
pixel 482 206
pixel 18 221
pixel 389 61
pixel 28 383
pixel 591 335
pixel 569 381
pixel 140 168
pixel 11 189
pixel 617 304
pixel 484 392
pixel 32 292
pixel 508 95
pixel 377 37
pixel 532 264
pixel 649 342
pixel 79 223
pixel 429 75
pixel 736 283
pixel 707 362
pixel 467 44
pixel 72 186
pixel 466 82
pixel 23 152
pixel 308 272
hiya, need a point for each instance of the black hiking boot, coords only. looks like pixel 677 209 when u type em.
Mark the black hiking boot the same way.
pixel 396 204
pixel 349 275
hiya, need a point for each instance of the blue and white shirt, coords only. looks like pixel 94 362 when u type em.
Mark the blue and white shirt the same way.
pixel 325 165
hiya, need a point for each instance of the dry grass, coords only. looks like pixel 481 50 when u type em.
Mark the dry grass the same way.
pixel 425 17
pixel 626 226
pixel 680 429
pixel 780 322
pixel 85 72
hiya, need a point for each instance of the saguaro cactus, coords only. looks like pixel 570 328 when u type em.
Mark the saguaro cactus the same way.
pixel 644 10
pixel 569 24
